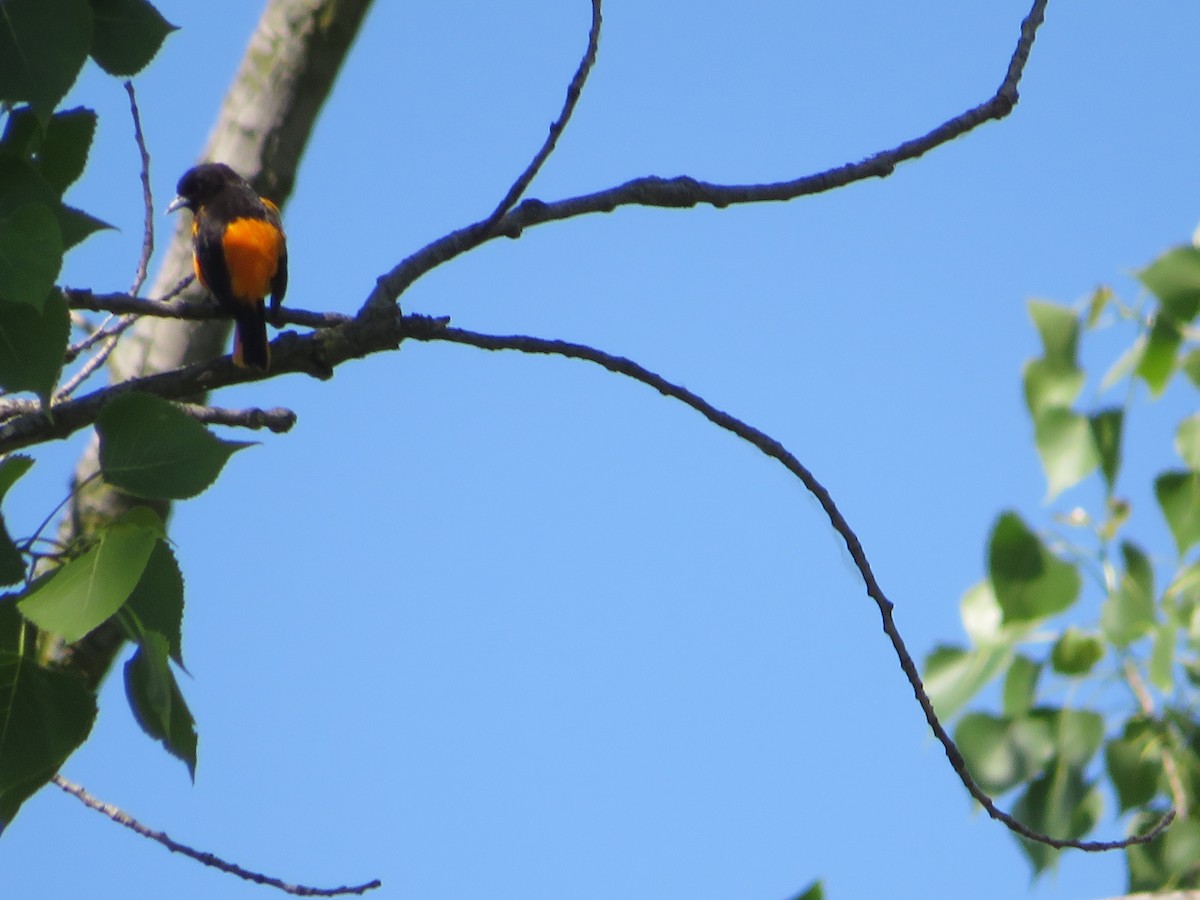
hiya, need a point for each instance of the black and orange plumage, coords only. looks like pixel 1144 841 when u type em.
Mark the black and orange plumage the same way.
pixel 240 252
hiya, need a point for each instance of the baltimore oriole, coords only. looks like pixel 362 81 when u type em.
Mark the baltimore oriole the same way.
pixel 239 251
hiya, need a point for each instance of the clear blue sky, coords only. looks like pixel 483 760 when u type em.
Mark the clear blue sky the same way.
pixel 491 625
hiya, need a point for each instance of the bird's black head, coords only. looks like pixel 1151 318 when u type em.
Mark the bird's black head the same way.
pixel 201 183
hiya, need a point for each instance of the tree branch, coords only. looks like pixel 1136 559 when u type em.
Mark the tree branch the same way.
pixel 685 191
pixel 121 817
pixel 574 90
pixel 278 419
pixel 772 448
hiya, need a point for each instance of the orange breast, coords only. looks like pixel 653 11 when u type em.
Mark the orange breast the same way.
pixel 252 248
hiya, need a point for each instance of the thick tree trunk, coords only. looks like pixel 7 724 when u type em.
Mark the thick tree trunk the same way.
pixel 261 131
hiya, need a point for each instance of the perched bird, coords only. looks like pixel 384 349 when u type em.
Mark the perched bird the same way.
pixel 239 250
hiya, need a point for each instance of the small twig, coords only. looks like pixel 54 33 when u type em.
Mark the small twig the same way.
pixel 772 448
pixel 278 420
pixel 94 336
pixel 180 287
pixel 686 192
pixel 76 487
pixel 1146 703
pixel 111 337
pixel 139 277
pixel 574 90
pixel 123 818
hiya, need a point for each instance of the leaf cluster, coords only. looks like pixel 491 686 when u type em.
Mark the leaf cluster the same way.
pixel 1142 643
pixel 148 449
pixel 43 47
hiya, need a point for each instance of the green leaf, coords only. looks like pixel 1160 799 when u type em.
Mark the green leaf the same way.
pixel 1128 612
pixel 1106 427
pixel 22 133
pixel 1054 380
pixel 1099 301
pixel 31 252
pixel 1175 279
pixel 1079 736
pixel 953 675
pixel 128 35
pixel 157 702
pixel 1161 668
pixel 33 345
pixel 1178 496
pixel 12 563
pixel 12 469
pixel 814 891
pixel 1050 387
pixel 22 183
pixel 1157 364
pixel 1058 327
pixel 1000 752
pixel 1168 863
pixel 1030 582
pixel 63 153
pixel 1191 365
pixel 1020 686
pixel 89 589
pixel 1065 445
pixel 157 601
pixel 151 448
pixel 44 716
pixel 76 225
pixel 1075 653
pixel 981 616
pixel 1134 764
pixel 1125 363
pixel 1060 803
pixel 43 44
pixel 1187 441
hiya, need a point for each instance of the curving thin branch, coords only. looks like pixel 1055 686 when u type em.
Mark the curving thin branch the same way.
pixel 685 191
pixel 110 336
pixel 772 448
pixel 139 277
pixel 574 90
pixel 123 818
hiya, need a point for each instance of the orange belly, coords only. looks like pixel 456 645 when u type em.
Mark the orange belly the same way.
pixel 252 248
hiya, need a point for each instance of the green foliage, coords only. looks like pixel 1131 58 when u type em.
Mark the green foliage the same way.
pixel 814 891
pixel 34 345
pixel 156 604
pixel 44 716
pixel 12 563
pixel 30 253
pixel 87 591
pixel 43 47
pixel 157 702
pixel 1030 582
pixel 150 448
pixel 1044 748
pixel 124 573
pixel 127 35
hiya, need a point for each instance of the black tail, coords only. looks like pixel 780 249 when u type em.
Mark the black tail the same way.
pixel 250 349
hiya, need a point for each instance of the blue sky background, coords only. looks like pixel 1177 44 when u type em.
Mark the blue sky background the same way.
pixel 493 625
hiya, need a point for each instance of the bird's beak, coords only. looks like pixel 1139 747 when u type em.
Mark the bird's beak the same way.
pixel 176 204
